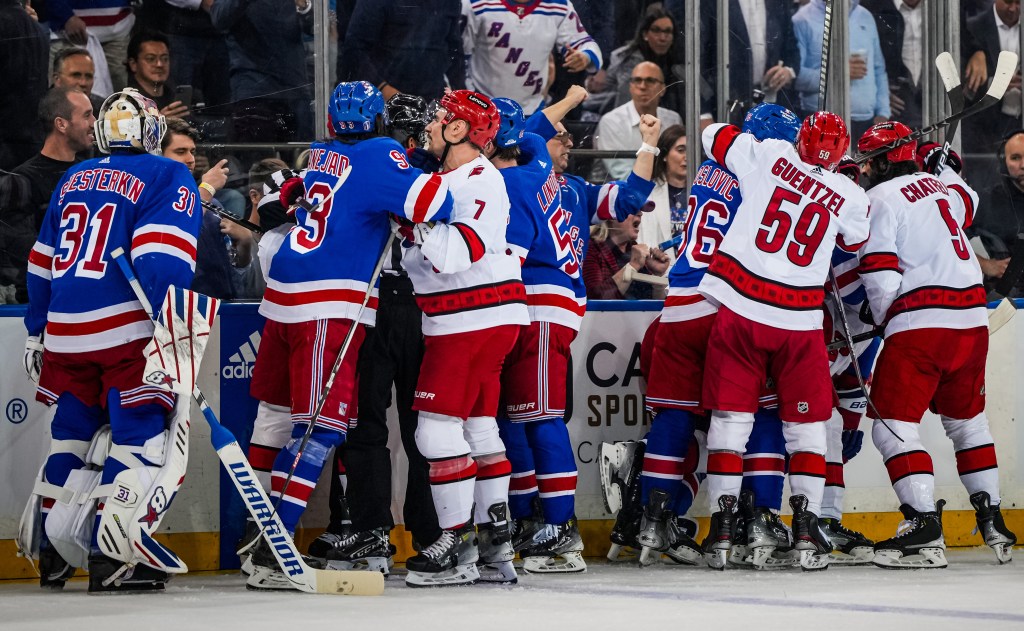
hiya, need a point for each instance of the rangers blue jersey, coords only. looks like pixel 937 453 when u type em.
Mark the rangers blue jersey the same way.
pixel 711 207
pixel 145 204
pixel 324 265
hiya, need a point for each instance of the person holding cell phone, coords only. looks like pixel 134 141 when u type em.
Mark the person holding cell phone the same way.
pixel 149 71
pixel 869 82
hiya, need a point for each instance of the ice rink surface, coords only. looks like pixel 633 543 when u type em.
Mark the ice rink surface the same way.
pixel 974 590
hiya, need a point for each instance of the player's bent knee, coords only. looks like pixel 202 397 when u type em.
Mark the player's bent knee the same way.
pixel 440 436
pixel 895 437
pixel 805 437
pixel 273 425
pixel 481 433
pixel 730 431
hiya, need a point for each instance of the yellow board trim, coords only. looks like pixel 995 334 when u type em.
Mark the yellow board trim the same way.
pixel 201 550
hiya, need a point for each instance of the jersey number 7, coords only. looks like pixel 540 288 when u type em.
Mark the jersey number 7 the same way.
pixel 777 228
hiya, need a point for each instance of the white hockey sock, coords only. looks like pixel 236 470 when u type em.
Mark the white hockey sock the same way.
pixel 975 454
pixel 908 463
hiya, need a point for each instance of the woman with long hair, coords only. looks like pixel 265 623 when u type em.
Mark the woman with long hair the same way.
pixel 669 195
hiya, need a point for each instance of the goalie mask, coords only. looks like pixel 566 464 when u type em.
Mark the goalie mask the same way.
pixel 129 120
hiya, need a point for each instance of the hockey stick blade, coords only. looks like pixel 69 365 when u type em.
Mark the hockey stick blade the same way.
pixel 1003 313
pixel 946 66
pixel 305 578
pixel 997 88
pixel 224 214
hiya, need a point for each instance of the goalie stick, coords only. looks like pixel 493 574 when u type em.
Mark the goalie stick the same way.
pixel 1005 67
pixel 301 575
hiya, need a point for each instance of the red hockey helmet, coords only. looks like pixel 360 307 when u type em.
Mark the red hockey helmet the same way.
pixel 477 110
pixel 884 134
pixel 823 140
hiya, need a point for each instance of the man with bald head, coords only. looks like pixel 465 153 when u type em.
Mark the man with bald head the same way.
pixel 1000 215
pixel 619 129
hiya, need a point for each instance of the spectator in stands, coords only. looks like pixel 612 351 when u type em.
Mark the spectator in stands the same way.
pixel 900 26
pixel 149 60
pixel 989 33
pixel 109 21
pixel 508 44
pixel 405 46
pixel 24 60
pixel 66 115
pixel 269 86
pixel 619 129
pixel 74 68
pixel 869 83
pixel 224 250
pixel 655 42
pixel 15 192
pixel 665 222
pixel 1000 215
pixel 763 56
pixel 598 18
pixel 614 248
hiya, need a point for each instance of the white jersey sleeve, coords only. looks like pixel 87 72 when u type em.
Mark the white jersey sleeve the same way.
pixel 964 202
pixel 879 265
pixel 573 35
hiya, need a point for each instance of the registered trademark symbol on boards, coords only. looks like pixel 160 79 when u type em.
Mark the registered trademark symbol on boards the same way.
pixel 17 411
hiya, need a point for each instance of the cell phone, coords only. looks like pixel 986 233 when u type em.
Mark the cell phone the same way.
pixel 183 93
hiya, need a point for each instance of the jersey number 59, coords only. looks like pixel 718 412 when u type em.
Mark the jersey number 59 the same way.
pixel 777 229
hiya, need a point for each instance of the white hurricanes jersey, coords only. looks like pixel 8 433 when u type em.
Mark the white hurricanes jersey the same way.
pixel 464 274
pixel 918 268
pixel 772 265
pixel 509 43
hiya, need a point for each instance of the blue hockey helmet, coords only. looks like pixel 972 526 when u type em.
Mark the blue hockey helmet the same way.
pixel 513 122
pixel 769 120
pixel 354 107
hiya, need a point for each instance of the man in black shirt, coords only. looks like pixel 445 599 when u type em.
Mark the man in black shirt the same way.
pixel 1001 212
pixel 66 114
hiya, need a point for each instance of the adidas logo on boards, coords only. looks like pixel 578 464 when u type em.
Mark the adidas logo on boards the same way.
pixel 240 364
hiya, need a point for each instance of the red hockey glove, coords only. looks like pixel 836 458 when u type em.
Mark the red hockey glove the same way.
pixel 928 158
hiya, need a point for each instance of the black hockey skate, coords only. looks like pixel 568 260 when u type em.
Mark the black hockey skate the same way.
pixel 332 537
pixel 110 575
pixel 620 479
pixel 245 546
pixel 808 539
pixel 54 571
pixel 494 540
pixel 851 547
pixel 266 571
pixel 681 547
pixel 739 553
pixel 718 543
pixel 523 530
pixel 918 542
pixel 653 535
pixel 363 550
pixel 769 546
pixel 992 527
pixel 556 548
pixel 451 560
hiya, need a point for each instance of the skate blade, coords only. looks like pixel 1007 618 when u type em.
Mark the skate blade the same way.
pixel 738 556
pixel 811 562
pixel 265 579
pixel 684 555
pixel 1004 552
pixel 566 563
pixel 617 553
pixel 760 556
pixel 649 556
pixel 246 567
pixel 717 559
pixel 374 564
pixel 926 558
pixel 861 555
pixel 612 457
pixel 460 575
pixel 502 572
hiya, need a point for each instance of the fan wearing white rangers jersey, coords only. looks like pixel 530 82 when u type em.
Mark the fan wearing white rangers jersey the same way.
pixel 924 284
pixel 468 285
pixel 768 280
pixel 508 43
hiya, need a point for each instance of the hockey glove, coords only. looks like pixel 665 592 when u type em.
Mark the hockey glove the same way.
pixel 424 160
pixel 853 440
pixel 411 233
pixel 33 358
pixel 849 168
pixel 928 158
pixel 291 190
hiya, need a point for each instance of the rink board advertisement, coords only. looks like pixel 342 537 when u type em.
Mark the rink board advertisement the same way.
pixel 606 404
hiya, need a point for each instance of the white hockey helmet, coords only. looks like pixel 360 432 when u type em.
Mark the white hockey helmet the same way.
pixel 129 120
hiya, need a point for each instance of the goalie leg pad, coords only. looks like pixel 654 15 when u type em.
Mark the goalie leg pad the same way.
pixel 523 485
pixel 143 480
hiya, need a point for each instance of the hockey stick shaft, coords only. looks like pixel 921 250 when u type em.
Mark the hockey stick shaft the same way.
pixel 826 46
pixel 995 94
pixel 301 575
pixel 224 214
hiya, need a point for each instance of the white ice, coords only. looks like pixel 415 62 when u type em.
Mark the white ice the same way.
pixel 974 592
